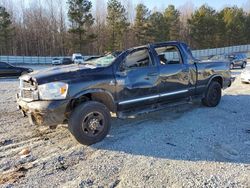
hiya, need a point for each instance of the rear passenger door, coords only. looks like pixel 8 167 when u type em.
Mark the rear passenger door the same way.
pixel 174 75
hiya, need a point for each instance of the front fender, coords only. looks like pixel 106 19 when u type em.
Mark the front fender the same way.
pixel 99 95
pixel 89 91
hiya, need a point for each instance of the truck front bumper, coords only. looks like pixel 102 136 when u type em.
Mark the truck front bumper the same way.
pixel 47 113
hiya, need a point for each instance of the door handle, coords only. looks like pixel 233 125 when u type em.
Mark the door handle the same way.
pixel 153 74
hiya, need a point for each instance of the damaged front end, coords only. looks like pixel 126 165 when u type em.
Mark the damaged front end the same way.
pixel 39 112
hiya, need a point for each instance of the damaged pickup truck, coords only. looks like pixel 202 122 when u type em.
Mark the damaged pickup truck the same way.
pixel 138 80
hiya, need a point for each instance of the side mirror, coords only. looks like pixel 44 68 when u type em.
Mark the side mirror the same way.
pixel 123 67
pixel 122 70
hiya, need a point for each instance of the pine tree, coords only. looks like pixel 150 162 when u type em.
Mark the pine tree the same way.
pixel 81 19
pixel 141 24
pixel 6 31
pixel 158 27
pixel 235 23
pixel 247 28
pixel 117 24
pixel 203 27
pixel 172 17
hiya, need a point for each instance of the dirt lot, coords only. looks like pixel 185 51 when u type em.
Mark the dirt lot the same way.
pixel 188 146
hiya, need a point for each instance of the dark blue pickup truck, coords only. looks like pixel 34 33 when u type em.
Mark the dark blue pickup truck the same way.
pixel 137 80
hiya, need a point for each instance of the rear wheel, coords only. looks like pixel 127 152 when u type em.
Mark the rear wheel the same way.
pixel 90 122
pixel 213 95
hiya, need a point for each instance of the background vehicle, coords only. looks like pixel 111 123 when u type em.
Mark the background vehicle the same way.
pixel 139 80
pixel 238 60
pixel 77 58
pixel 245 75
pixel 7 70
pixel 66 61
pixel 56 61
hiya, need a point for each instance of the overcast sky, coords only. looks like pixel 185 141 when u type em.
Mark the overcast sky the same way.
pixel 217 4
pixel 160 4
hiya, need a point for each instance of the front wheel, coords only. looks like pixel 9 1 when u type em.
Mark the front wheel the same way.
pixel 213 94
pixel 90 122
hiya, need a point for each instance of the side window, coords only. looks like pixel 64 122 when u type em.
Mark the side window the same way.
pixel 137 59
pixel 169 55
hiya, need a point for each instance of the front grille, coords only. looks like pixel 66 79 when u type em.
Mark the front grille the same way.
pixel 27 84
pixel 28 90
pixel 27 94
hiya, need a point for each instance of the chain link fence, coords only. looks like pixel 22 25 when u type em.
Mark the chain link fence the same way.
pixel 200 54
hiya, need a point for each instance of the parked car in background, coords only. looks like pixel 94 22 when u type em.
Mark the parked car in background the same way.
pixel 238 60
pixel 66 61
pixel 245 75
pixel 63 61
pixel 77 58
pixel 7 70
pixel 56 61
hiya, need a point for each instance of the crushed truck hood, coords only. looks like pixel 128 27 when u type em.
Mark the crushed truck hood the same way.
pixel 58 73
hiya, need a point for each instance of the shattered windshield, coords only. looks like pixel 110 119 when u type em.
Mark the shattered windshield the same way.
pixel 102 61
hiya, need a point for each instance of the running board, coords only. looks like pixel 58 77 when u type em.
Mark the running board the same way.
pixel 152 108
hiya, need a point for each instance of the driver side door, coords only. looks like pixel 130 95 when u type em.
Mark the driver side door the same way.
pixel 136 80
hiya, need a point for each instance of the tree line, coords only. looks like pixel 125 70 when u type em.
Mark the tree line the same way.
pixel 44 29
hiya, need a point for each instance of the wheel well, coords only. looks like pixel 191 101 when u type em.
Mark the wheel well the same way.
pixel 101 97
pixel 219 80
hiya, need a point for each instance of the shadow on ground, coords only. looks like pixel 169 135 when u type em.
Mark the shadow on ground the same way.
pixel 190 132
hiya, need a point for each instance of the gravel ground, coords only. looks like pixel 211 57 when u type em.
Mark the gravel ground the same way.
pixel 187 146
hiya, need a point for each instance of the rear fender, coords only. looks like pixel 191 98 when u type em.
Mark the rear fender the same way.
pixel 214 77
pixel 217 78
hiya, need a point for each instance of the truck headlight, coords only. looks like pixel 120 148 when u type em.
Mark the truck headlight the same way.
pixel 53 91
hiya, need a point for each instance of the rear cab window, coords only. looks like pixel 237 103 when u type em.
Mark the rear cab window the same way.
pixel 169 55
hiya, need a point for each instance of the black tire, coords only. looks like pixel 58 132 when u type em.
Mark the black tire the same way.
pixel 90 122
pixel 244 65
pixel 213 95
pixel 231 66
